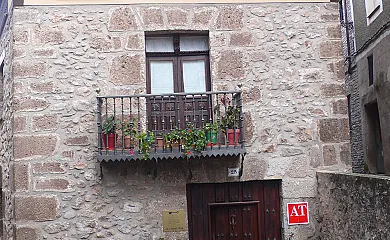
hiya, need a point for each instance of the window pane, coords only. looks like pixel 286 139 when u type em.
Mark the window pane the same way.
pixel 198 43
pixel 161 77
pixel 194 77
pixel 159 44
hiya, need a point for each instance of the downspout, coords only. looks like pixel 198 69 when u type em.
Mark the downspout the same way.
pixel 346 24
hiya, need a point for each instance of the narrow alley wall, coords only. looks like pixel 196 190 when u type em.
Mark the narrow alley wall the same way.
pixel 353 206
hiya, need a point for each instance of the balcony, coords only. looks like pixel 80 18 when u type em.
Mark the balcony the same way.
pixel 179 125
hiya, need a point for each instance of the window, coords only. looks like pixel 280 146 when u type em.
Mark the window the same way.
pixel 370 60
pixel 177 63
pixel 373 9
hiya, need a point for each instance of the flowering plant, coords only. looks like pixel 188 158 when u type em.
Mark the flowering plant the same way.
pixel 230 116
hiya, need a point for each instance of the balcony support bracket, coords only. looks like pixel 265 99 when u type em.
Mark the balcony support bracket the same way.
pixel 241 156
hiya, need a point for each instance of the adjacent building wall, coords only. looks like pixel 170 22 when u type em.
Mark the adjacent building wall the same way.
pixel 6 133
pixel 286 56
pixel 353 206
pixel 373 39
pixel 363 31
pixel 379 92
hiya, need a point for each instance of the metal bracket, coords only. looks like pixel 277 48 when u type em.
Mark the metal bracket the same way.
pixel 242 165
pixel 347 24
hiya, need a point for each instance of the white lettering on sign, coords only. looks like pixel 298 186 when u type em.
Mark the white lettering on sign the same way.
pixel 233 172
pixel 294 212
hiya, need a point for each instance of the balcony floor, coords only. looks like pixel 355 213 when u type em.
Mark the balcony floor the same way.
pixel 159 154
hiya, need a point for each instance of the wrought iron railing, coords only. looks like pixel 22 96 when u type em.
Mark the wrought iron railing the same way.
pixel 170 125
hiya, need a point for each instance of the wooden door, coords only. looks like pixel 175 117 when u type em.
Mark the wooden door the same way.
pixel 239 210
pixel 238 221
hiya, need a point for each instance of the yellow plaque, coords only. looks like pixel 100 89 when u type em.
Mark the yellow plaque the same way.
pixel 173 221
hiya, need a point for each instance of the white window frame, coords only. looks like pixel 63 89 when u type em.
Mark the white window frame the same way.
pixel 373 9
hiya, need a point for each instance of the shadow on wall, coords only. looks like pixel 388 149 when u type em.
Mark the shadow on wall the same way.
pixel 167 171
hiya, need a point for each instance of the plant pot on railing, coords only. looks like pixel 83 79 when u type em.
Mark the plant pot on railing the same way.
pixel 109 135
pixel 109 140
pixel 211 130
pixel 160 142
pixel 233 136
pixel 211 138
pixel 129 142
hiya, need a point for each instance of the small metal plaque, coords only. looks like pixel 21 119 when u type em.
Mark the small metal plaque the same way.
pixel 233 172
pixel 173 221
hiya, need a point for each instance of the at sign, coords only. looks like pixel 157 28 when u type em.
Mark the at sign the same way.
pixel 298 213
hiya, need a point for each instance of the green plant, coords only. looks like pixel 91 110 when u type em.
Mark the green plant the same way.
pixel 110 124
pixel 193 138
pixel 173 136
pixel 200 140
pixel 146 140
pixel 211 127
pixel 230 115
pixel 231 118
pixel 130 127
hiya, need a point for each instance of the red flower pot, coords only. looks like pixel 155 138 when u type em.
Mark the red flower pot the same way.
pixel 233 136
pixel 109 140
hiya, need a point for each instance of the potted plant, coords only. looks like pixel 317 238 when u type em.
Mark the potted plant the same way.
pixel 200 140
pixel 129 132
pixel 187 138
pixel 109 135
pixel 172 138
pixel 211 130
pixel 230 121
pixel 146 141
pixel 193 139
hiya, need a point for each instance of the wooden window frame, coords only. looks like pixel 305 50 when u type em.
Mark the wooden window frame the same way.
pixel 177 57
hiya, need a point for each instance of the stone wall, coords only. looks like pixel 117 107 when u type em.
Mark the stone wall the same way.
pixel 353 206
pixel 287 56
pixel 6 125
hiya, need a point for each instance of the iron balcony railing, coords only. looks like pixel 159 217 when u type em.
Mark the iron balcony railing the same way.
pixel 147 126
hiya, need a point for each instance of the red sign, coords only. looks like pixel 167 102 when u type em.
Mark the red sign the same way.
pixel 298 213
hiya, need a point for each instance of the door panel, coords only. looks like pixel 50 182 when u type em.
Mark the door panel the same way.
pixel 239 210
pixel 272 211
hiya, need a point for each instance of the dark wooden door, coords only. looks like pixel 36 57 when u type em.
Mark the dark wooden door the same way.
pixel 238 221
pixel 239 210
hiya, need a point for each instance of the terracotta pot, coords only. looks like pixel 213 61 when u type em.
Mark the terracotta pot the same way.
pixel 127 142
pixel 233 134
pixel 160 142
pixel 175 145
pixel 109 140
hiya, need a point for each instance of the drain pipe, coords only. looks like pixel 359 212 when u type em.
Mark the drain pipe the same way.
pixel 346 24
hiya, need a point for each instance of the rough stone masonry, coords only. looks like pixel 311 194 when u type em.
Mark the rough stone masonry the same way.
pixel 287 56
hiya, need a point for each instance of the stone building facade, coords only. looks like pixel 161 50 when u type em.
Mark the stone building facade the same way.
pixel 369 82
pixel 286 56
